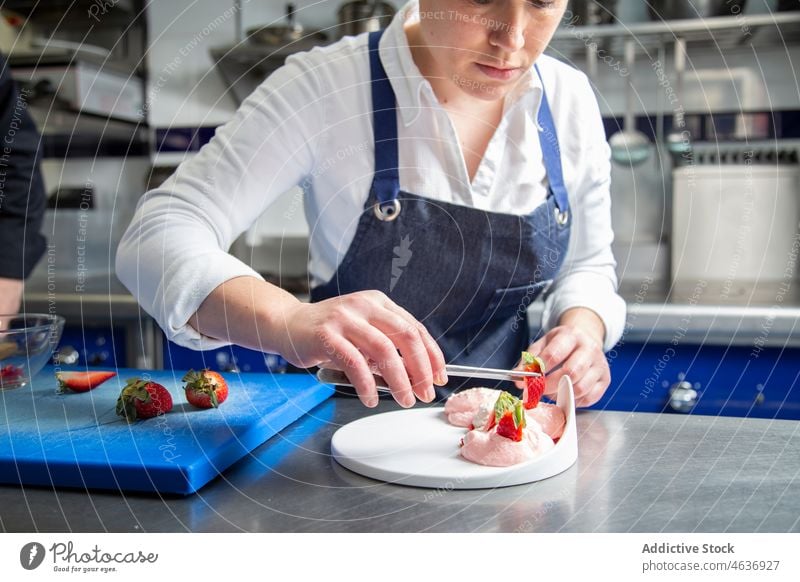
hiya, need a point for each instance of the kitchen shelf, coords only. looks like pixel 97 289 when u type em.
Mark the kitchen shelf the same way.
pixel 245 65
pixel 56 12
pixel 724 32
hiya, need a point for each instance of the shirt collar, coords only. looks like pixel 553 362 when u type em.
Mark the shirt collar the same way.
pixel 407 81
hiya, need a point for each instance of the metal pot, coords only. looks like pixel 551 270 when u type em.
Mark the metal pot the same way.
pixel 680 9
pixel 281 34
pixel 364 16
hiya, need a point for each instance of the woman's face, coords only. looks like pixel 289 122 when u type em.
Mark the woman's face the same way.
pixel 483 47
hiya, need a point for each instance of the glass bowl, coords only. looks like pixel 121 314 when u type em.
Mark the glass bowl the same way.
pixel 27 341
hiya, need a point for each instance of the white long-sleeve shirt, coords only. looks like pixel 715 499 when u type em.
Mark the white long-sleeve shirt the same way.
pixel 310 124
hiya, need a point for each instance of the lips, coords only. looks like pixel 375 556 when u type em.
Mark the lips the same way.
pixel 501 74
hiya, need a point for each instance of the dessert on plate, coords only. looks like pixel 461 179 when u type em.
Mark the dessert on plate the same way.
pixel 505 430
pixel 504 436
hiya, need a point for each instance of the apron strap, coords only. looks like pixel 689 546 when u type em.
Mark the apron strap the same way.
pixel 386 182
pixel 548 138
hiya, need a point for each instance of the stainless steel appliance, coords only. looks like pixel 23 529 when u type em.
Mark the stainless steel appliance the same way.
pixel 276 35
pixel 364 16
pixel 736 223
pixel 59 93
pixel 82 80
pixel 590 12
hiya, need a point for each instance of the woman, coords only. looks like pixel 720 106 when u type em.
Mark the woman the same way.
pixel 451 175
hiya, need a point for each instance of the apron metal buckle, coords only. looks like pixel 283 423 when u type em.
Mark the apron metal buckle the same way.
pixel 561 217
pixel 387 211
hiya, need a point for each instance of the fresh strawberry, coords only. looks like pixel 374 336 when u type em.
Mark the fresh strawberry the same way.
pixel 510 416
pixel 82 381
pixel 508 427
pixel 143 399
pixel 205 389
pixel 534 387
pixel 10 372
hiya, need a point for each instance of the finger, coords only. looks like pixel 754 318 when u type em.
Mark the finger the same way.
pixel 557 349
pixel 586 383
pixel 434 352
pixel 583 376
pixel 593 395
pixel 352 362
pixel 376 346
pixel 534 349
pixel 335 365
pixel 577 364
pixel 330 365
pixel 560 345
pixel 596 392
pixel 412 349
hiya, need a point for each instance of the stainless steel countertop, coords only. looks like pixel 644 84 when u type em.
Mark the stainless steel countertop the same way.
pixel 636 472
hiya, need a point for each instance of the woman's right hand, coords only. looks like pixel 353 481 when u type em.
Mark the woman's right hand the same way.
pixel 360 334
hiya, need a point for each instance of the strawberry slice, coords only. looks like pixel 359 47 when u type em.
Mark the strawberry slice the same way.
pixel 534 387
pixel 508 427
pixel 510 416
pixel 10 372
pixel 82 381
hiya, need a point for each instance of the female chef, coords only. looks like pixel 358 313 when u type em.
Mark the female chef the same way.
pixel 451 175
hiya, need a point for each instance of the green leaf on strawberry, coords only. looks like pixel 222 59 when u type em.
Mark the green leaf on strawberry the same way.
pixel 534 386
pixel 510 416
pixel 533 363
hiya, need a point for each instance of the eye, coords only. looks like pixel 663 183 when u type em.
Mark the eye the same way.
pixel 535 3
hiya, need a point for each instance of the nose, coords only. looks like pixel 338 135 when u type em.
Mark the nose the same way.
pixel 508 28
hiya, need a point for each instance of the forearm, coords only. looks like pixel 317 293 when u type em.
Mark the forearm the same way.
pixel 586 320
pixel 248 312
pixel 10 295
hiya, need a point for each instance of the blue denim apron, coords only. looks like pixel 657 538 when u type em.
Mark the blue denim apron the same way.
pixel 468 275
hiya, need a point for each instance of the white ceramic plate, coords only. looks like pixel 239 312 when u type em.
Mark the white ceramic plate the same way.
pixel 419 447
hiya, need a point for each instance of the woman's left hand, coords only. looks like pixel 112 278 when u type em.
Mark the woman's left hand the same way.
pixel 576 345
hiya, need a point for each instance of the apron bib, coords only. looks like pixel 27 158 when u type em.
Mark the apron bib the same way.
pixel 466 274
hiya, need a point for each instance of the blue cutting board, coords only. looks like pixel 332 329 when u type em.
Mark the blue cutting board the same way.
pixel 76 440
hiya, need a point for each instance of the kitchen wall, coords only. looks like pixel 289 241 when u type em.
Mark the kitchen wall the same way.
pixel 186 91
pixel 184 88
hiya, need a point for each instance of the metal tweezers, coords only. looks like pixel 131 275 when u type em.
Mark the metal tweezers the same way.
pixel 328 376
